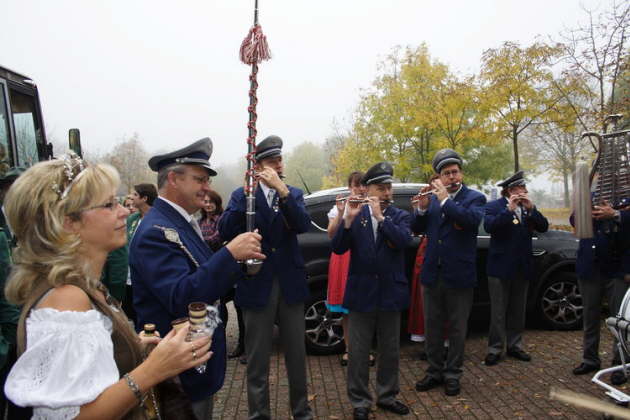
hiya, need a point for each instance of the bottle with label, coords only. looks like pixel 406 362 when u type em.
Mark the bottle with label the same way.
pixel 198 318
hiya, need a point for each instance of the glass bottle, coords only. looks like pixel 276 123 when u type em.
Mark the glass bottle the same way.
pixel 198 317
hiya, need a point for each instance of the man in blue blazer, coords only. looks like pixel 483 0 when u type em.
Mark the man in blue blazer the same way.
pixel 377 290
pixel 171 265
pixel 601 267
pixel 450 218
pixel 510 221
pixel 279 289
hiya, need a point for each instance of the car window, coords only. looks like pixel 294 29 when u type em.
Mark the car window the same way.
pixel 403 201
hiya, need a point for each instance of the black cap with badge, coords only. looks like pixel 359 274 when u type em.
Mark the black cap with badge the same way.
pixel 271 146
pixel 381 173
pixel 197 153
pixel 515 180
pixel 445 157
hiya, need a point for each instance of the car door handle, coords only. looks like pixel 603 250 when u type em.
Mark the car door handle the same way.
pixel 538 252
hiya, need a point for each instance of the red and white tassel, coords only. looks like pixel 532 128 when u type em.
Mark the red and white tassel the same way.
pixel 254 48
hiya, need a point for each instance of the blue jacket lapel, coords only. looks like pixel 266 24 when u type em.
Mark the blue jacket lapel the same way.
pixel 184 227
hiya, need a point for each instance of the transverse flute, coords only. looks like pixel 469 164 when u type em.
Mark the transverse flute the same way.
pixel 418 196
pixel 362 200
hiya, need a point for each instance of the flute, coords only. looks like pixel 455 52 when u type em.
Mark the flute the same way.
pixel 418 196
pixel 362 200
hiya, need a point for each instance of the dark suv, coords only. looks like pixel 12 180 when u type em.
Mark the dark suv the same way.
pixel 554 298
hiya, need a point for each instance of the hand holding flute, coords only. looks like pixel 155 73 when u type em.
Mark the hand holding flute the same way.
pixel 519 199
pixel 421 200
pixel 352 208
pixel 272 179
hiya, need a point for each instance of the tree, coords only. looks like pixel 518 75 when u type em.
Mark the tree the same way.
pixel 130 158
pixel 558 149
pixel 416 107
pixel 555 144
pixel 517 84
pixel 597 55
pixel 305 167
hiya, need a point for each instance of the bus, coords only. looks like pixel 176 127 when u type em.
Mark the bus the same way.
pixel 22 134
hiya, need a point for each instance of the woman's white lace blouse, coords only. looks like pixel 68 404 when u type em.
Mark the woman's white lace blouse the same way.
pixel 68 362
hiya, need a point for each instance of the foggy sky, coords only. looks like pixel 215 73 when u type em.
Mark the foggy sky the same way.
pixel 169 71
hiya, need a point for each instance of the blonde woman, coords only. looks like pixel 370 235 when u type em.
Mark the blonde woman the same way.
pixel 80 359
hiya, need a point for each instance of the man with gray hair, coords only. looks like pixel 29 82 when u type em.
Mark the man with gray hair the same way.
pixel 171 265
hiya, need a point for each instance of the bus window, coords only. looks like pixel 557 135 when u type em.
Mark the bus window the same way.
pixel 27 132
pixel 5 148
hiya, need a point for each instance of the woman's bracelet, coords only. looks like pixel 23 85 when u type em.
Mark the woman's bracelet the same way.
pixel 134 388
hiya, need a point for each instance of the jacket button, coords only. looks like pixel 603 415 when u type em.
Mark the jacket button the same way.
pixel 440 241
pixel 273 249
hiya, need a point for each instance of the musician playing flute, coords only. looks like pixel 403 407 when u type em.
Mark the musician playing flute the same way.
pixel 510 221
pixel 279 289
pixel 450 218
pixel 377 234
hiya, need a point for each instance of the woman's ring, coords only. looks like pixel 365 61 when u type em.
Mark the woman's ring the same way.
pixel 194 353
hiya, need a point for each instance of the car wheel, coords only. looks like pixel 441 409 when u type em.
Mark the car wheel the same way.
pixel 560 302
pixel 323 329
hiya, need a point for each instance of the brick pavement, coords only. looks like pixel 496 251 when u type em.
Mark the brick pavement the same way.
pixel 511 389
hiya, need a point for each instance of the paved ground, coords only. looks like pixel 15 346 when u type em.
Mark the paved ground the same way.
pixel 511 389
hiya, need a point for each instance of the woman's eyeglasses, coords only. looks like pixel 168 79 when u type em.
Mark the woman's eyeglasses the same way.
pixel 111 205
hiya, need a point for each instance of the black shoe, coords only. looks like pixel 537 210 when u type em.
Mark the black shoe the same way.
pixel 519 354
pixel 238 351
pixel 618 378
pixel 492 359
pixel 451 387
pixel 243 359
pixel 396 407
pixel 361 413
pixel 427 383
pixel 584 368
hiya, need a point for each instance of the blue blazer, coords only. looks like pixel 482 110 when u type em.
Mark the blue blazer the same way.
pixel 376 278
pixel 452 232
pixel 510 243
pixel 165 281
pixel 279 227
pixel 601 253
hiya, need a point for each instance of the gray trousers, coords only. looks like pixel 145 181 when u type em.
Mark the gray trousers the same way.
pixel 594 290
pixel 508 300
pixel 362 326
pixel 258 339
pixel 203 408
pixel 446 305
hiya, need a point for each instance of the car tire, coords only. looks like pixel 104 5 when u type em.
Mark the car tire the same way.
pixel 559 302
pixel 323 330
